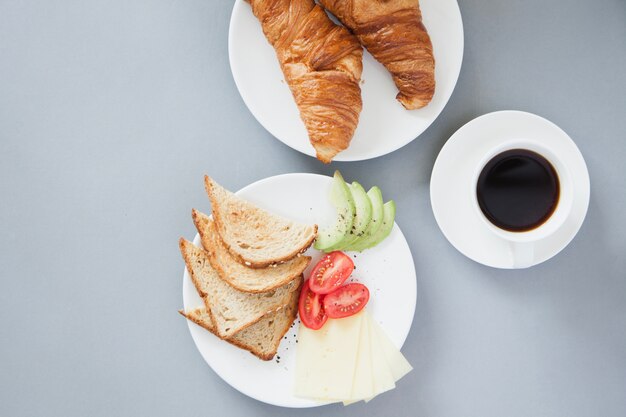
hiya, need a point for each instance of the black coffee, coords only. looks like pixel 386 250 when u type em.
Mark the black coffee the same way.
pixel 518 190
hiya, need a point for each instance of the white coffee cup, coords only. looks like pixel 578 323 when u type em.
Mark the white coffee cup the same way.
pixel 522 244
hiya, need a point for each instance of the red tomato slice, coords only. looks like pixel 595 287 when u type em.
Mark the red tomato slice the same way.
pixel 330 272
pixel 346 300
pixel 310 307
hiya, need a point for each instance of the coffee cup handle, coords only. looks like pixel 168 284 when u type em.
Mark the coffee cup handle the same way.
pixel 523 254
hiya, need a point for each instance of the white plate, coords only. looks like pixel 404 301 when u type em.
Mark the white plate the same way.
pixel 453 175
pixel 387 270
pixel 384 124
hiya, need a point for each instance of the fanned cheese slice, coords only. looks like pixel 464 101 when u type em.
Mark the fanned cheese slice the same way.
pixel 381 372
pixel 326 359
pixel 363 384
pixel 388 363
pixel 398 365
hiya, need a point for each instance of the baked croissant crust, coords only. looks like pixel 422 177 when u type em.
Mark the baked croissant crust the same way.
pixel 393 32
pixel 322 64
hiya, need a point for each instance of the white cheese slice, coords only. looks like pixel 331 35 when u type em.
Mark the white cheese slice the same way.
pixel 326 359
pixel 381 373
pixel 362 385
pixel 397 363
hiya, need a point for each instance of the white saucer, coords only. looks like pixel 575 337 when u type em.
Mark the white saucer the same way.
pixel 452 177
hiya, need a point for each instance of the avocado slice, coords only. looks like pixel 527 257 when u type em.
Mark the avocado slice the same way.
pixel 389 214
pixel 376 199
pixel 341 198
pixel 362 216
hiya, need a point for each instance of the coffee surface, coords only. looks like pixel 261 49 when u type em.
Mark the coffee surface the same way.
pixel 518 190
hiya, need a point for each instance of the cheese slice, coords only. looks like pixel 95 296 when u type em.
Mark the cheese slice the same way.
pixel 326 359
pixel 348 360
pixel 397 363
pixel 381 373
pixel 362 385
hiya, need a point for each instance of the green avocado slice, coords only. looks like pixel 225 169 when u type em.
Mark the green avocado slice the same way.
pixel 389 214
pixel 362 216
pixel 376 199
pixel 341 198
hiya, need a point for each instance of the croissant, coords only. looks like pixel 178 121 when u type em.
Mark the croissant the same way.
pixel 392 31
pixel 322 64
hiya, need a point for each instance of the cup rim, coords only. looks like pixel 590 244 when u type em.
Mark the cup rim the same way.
pixel 564 203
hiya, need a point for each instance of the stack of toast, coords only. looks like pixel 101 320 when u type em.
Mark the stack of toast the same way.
pixel 248 272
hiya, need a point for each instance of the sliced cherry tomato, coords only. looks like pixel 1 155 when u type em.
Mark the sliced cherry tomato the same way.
pixel 330 272
pixel 311 309
pixel 346 301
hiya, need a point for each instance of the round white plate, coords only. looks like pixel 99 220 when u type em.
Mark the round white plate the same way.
pixel 384 125
pixel 387 270
pixel 453 175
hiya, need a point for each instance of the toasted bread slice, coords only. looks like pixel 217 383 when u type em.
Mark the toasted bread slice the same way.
pixel 252 235
pixel 238 275
pixel 261 338
pixel 231 310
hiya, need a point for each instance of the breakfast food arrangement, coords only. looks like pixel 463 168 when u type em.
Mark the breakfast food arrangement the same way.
pixel 411 56
pixel 258 289
pixel 299 290
pixel 312 208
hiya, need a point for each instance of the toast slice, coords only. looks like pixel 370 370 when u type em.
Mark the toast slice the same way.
pixel 231 310
pixel 261 338
pixel 238 275
pixel 252 235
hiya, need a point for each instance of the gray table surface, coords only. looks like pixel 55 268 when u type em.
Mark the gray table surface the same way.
pixel 111 112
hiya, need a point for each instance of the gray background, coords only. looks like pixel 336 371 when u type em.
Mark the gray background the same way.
pixel 111 112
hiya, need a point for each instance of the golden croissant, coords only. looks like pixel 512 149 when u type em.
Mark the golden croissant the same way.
pixel 393 32
pixel 322 64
